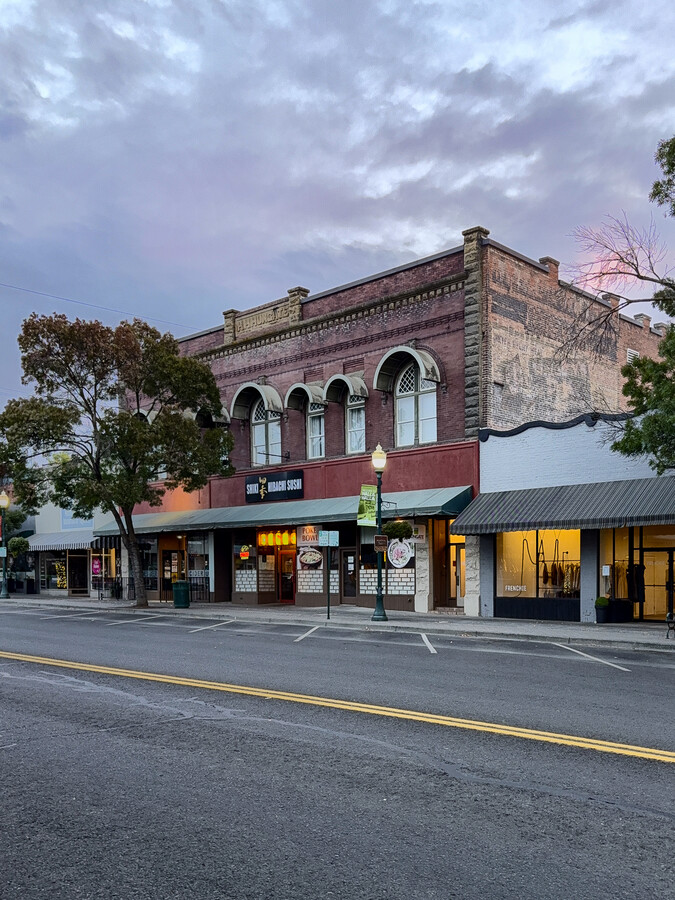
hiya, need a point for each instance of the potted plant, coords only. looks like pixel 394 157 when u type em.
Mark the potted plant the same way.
pixel 18 545
pixel 602 610
pixel 398 530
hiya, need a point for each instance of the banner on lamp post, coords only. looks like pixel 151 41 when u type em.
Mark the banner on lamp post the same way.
pixel 367 513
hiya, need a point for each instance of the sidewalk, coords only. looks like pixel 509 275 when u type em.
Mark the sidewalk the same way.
pixel 636 636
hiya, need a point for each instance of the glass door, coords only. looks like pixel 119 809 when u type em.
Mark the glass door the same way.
pixel 347 575
pixel 78 573
pixel 457 585
pixel 658 583
pixel 170 572
pixel 286 589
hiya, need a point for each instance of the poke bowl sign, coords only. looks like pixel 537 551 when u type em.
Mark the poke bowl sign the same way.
pixel 399 553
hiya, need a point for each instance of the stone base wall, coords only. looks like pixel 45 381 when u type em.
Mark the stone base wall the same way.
pixel 472 575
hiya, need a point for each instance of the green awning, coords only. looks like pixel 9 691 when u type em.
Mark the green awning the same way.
pixel 607 504
pixel 443 502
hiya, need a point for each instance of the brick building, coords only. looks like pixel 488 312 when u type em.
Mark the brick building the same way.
pixel 417 359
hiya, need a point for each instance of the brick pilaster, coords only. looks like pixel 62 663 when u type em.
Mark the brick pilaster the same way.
pixel 295 297
pixel 229 328
pixel 473 329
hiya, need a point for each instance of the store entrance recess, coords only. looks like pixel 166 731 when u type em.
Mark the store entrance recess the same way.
pixel 172 570
pixel 286 572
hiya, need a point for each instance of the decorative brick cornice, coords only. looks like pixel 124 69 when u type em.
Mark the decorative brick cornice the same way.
pixel 334 320
pixel 334 349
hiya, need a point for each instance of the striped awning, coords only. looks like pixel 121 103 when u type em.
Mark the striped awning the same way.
pixel 107 542
pixel 78 539
pixel 444 502
pixel 607 504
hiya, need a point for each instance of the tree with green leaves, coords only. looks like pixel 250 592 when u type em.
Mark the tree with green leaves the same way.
pixel 663 189
pixel 620 255
pixel 112 408
pixel 650 389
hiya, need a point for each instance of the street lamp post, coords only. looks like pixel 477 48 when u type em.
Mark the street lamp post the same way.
pixel 379 458
pixel 4 504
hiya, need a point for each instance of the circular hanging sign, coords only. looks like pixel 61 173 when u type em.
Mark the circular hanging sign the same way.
pixel 399 553
pixel 244 551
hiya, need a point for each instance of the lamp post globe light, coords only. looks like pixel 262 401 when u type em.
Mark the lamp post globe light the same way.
pixel 4 504
pixel 379 458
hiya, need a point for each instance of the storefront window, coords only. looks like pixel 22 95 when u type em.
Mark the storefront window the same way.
pixel 538 564
pixel 148 548
pixel 198 556
pixel 245 564
pixel 635 567
pixel 21 573
pixel 368 556
pixel 53 570
pixel 654 536
pixel 559 563
pixel 614 563
pixel 517 564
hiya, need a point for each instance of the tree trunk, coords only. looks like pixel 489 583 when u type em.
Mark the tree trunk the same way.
pixel 135 560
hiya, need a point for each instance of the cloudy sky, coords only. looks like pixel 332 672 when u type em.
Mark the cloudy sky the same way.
pixel 175 159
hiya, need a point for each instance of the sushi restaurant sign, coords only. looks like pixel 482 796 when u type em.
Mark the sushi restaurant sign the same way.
pixel 275 486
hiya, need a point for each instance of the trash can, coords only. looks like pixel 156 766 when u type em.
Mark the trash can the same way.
pixel 181 594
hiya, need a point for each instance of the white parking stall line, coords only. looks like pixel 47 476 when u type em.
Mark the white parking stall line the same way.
pixel 431 648
pixel 206 627
pixel 66 616
pixel 306 634
pixel 134 621
pixel 588 656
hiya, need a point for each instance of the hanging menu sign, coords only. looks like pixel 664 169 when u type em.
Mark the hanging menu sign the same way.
pixel 274 486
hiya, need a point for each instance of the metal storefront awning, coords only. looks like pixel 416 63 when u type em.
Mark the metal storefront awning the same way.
pixel 607 504
pixel 406 504
pixel 78 539
pixel 446 502
pixel 106 542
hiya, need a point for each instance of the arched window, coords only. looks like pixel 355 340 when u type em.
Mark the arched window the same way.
pixel 265 435
pixel 355 425
pixel 316 437
pixel 415 408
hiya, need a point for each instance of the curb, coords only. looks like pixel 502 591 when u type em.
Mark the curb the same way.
pixel 459 629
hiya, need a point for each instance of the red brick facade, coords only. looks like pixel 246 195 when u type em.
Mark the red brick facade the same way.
pixel 524 315
pixel 348 331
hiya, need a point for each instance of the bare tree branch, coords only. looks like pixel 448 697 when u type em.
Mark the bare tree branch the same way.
pixel 620 255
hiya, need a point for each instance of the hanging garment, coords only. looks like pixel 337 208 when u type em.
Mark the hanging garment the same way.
pixel 640 583
pixel 577 578
pixel 621 582
pixel 556 568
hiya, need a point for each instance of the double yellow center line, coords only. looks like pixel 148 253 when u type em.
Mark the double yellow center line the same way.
pixel 529 734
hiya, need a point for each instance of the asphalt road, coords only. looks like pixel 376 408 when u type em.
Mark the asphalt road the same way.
pixel 118 787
